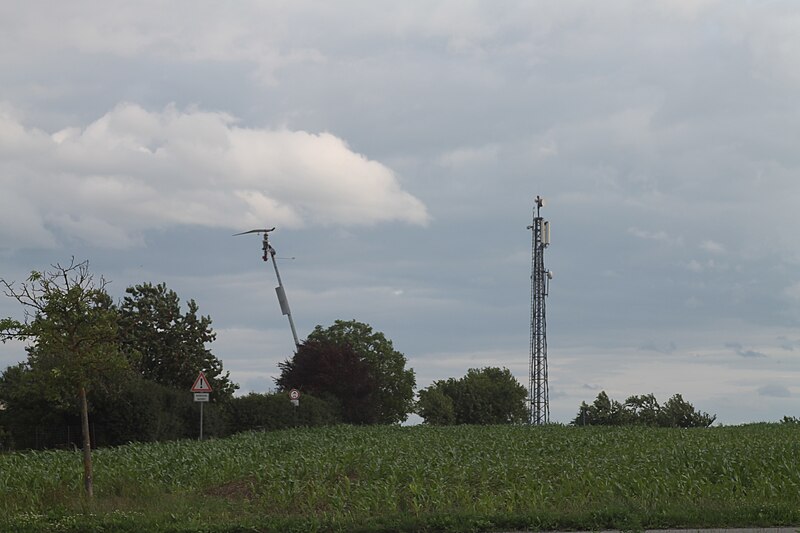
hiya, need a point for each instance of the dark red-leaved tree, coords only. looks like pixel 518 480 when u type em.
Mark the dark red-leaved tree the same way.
pixel 336 373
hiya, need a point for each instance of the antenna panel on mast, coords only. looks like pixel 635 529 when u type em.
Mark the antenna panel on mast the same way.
pixel 284 303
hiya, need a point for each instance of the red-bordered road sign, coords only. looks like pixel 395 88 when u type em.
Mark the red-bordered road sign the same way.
pixel 294 394
pixel 201 384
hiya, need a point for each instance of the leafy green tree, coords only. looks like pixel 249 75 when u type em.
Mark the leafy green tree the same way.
pixel 71 326
pixel 641 410
pixel 28 404
pixel 491 396
pixel 167 346
pixel 436 407
pixel 391 385
pixel 603 412
pixel 484 396
pixel 677 412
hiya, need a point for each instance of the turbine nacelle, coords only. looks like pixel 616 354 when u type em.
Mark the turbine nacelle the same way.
pixel 268 250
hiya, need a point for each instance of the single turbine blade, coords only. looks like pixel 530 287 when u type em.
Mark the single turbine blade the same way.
pixel 254 231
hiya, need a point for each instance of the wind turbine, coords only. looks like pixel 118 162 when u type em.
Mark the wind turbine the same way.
pixel 269 251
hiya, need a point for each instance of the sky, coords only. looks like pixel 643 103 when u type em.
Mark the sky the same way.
pixel 398 148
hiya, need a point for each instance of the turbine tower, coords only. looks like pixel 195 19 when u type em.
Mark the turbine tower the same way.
pixel 269 251
pixel 538 394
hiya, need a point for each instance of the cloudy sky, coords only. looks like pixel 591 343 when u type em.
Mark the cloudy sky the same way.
pixel 398 147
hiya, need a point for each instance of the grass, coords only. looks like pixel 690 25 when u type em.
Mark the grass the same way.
pixel 462 478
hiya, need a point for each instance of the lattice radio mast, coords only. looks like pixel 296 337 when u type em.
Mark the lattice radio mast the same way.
pixel 538 394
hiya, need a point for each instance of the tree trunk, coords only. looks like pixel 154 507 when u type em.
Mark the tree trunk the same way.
pixel 87 447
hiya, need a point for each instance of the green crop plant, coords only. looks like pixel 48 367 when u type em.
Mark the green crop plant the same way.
pixel 439 478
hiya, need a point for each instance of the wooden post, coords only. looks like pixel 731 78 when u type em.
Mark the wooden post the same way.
pixel 87 447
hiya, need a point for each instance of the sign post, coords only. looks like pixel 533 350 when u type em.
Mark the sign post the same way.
pixel 201 390
pixel 294 397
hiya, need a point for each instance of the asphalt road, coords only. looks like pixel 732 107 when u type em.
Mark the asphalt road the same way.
pixel 713 530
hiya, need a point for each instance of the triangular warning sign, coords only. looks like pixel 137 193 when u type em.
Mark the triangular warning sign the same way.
pixel 201 384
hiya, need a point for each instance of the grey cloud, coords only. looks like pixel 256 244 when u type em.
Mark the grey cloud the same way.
pixel 665 348
pixel 788 344
pixel 741 351
pixel 774 391
pixel 472 110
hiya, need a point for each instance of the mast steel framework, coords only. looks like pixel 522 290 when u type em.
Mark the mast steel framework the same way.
pixel 538 393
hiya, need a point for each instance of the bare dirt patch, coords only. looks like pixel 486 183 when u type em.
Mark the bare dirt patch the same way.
pixel 238 489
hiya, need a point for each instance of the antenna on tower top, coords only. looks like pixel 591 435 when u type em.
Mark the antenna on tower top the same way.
pixel 269 252
pixel 538 391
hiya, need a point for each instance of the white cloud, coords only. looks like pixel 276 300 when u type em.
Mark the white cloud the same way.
pixel 706 266
pixel 133 170
pixel 695 266
pixel 462 157
pixel 692 302
pixel 658 236
pixel 712 247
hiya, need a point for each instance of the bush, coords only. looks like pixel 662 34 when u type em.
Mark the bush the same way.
pixel 144 411
pixel 275 411
pixel 5 436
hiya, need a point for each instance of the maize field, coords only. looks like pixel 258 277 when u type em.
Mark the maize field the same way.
pixel 473 478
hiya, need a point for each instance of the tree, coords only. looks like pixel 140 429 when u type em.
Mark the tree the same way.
pixel 436 407
pixel 29 405
pixel 484 396
pixel 641 410
pixel 166 346
pixel 602 412
pixel 71 325
pixel 335 373
pixel 677 412
pixel 391 395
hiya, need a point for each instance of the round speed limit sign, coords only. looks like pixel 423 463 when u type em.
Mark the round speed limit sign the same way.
pixel 294 394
